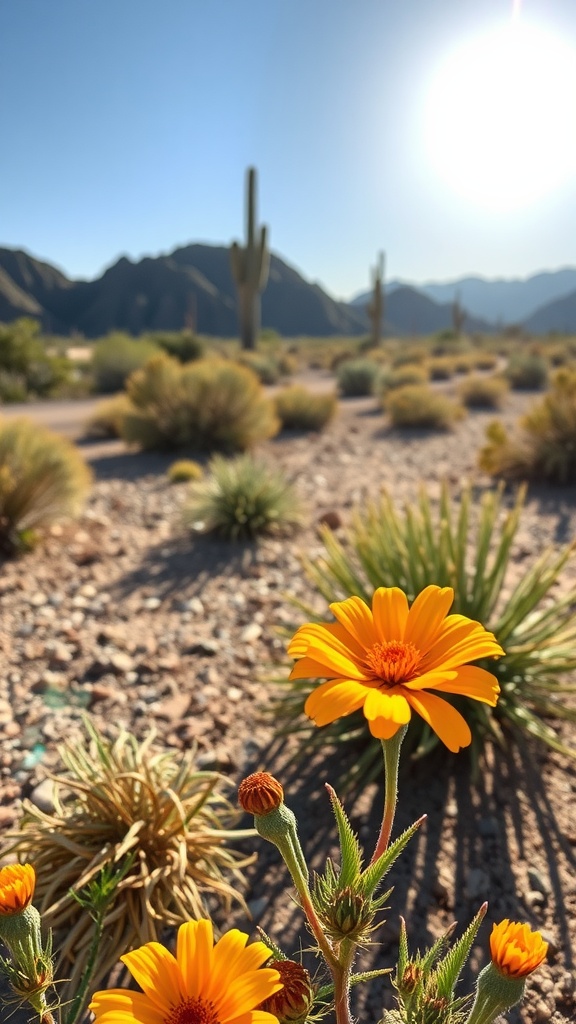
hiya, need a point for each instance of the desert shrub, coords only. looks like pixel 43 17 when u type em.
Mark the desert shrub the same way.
pixel 467 544
pixel 115 358
pixel 346 355
pixel 184 471
pixel 288 364
pixel 389 379
pixel 108 417
pixel 483 392
pixel 208 405
pixel 484 360
pixel 28 368
pixel 463 362
pixel 300 409
pixel 440 368
pixel 265 367
pixel 43 478
pixel 410 354
pixel 183 345
pixel 118 803
pixel 12 387
pixel 527 372
pixel 242 498
pixel 417 405
pixel 356 377
pixel 544 444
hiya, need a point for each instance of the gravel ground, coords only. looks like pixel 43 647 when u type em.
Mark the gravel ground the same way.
pixel 126 614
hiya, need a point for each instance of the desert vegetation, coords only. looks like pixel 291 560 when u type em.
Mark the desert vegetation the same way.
pixel 280 607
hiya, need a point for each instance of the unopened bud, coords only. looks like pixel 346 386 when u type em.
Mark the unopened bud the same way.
pixel 260 794
pixel 292 1004
pixel 409 980
pixel 348 916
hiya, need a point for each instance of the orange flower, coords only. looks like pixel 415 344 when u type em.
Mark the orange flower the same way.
pixel 387 659
pixel 516 950
pixel 203 984
pixel 260 793
pixel 17 883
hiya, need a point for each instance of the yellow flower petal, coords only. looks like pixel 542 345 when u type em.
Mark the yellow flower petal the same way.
pixel 445 720
pixel 248 991
pixel 474 682
pixel 233 957
pixel 334 699
pixel 380 704
pixel 357 620
pixel 383 728
pixel 428 611
pixel 390 611
pixel 157 972
pixel 120 1004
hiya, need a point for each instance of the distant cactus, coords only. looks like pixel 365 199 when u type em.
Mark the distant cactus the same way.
pixel 250 270
pixel 376 306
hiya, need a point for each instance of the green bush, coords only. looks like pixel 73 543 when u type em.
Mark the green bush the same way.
pixel 483 392
pixel 389 379
pixel 115 358
pixel 418 405
pixel 183 345
pixel 300 409
pixel 43 478
pixel 356 377
pixel 108 417
pixel 212 404
pixel 27 369
pixel 243 498
pixel 527 372
pixel 467 544
pixel 544 445
pixel 265 367
pixel 184 471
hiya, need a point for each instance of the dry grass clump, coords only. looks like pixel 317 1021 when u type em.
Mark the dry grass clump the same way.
pixel 390 379
pixel 300 409
pixel 484 360
pixel 544 446
pixel 108 417
pixel 527 372
pixel 212 404
pixel 356 377
pixel 43 478
pixel 120 804
pixel 243 498
pixel 483 392
pixel 440 367
pixel 409 354
pixel 184 471
pixel 266 367
pixel 417 405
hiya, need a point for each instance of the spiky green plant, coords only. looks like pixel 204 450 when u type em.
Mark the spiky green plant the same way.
pixel 300 409
pixel 466 544
pixel 43 478
pixel 242 498
pixel 120 803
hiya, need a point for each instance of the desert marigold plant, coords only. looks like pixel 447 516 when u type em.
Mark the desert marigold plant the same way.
pixel 17 883
pixel 205 983
pixel 516 950
pixel 389 658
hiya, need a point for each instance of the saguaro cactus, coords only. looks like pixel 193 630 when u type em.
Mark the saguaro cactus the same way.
pixel 250 264
pixel 376 305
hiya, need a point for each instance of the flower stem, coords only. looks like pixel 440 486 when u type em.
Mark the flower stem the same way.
pixel 391 751
pixel 342 986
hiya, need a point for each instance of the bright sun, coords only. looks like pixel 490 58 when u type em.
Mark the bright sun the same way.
pixel 500 118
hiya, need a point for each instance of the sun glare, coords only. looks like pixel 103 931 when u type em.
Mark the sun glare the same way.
pixel 500 117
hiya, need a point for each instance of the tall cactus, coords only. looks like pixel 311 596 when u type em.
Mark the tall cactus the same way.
pixel 376 305
pixel 250 264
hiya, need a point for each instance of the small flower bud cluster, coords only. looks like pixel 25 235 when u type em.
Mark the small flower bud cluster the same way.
pixel 29 971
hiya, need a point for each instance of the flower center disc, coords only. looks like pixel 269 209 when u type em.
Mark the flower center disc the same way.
pixel 193 1011
pixel 393 661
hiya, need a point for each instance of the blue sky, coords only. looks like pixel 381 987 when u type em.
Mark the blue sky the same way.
pixel 127 126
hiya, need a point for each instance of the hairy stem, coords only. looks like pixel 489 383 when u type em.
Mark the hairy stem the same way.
pixel 391 751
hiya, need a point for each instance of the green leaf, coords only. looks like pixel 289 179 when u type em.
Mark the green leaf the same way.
pixel 351 853
pixel 374 873
pixel 448 971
